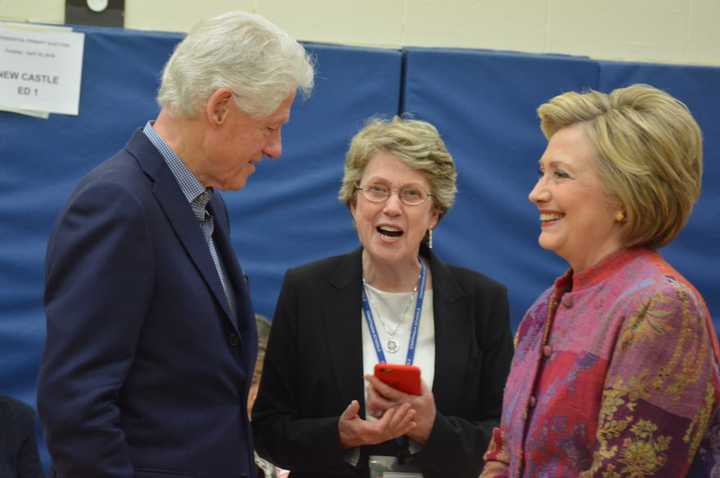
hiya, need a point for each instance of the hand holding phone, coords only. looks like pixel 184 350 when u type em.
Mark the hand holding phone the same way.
pixel 405 378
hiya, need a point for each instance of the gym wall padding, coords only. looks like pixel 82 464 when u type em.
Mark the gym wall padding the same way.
pixel 40 163
pixel 696 252
pixel 484 105
pixel 483 102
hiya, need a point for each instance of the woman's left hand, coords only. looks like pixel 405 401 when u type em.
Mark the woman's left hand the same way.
pixel 382 396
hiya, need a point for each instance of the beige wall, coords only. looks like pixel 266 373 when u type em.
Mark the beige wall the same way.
pixel 665 31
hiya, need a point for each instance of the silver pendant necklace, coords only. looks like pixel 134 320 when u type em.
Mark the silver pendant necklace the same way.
pixel 392 345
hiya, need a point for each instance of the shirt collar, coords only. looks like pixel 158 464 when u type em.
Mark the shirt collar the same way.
pixel 190 186
pixel 600 271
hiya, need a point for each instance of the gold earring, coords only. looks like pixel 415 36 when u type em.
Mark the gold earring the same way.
pixel 620 216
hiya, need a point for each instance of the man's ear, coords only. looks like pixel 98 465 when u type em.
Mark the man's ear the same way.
pixel 218 105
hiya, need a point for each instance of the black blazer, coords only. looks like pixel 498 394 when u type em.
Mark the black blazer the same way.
pixel 145 371
pixel 313 369
pixel 18 446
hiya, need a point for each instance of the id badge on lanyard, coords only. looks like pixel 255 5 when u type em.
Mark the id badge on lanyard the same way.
pixel 390 467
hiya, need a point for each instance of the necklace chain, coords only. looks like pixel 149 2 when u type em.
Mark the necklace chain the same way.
pixel 392 344
pixel 408 303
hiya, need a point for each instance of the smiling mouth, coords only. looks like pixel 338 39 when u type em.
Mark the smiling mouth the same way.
pixel 547 218
pixel 390 232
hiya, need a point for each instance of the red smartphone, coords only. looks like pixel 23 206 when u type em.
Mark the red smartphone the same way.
pixel 405 378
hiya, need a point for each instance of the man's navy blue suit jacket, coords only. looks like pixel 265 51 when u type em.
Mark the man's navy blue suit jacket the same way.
pixel 145 372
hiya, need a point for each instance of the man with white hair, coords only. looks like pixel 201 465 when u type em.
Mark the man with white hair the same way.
pixel 151 339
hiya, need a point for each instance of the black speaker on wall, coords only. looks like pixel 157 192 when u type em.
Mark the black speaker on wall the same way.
pixel 106 13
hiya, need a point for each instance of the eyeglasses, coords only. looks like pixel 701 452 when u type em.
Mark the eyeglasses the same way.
pixel 408 195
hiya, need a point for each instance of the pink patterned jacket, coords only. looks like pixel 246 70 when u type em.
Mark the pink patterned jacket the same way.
pixel 615 374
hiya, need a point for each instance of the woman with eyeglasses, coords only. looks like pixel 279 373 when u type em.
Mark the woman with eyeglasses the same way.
pixel 320 412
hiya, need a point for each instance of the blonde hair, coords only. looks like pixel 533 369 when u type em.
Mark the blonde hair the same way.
pixel 649 150
pixel 416 143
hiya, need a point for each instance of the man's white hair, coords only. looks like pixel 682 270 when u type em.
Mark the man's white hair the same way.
pixel 258 61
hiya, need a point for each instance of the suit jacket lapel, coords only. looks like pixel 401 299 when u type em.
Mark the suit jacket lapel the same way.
pixel 343 322
pixel 453 327
pixel 179 214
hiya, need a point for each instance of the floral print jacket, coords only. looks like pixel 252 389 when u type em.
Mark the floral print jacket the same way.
pixel 615 374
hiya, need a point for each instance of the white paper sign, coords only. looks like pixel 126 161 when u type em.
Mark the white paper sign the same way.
pixel 41 70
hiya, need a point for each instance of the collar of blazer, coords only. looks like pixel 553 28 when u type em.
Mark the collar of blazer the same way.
pixel 349 273
pixel 342 319
pixel 182 220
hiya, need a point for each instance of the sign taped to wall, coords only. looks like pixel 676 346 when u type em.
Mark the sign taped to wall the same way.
pixel 41 70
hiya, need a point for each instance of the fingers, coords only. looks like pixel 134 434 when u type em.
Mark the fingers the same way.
pixel 385 390
pixel 376 404
pixel 349 426
pixel 426 414
pixel 352 411
pixel 395 422
pixel 398 421
pixel 398 414
pixel 354 431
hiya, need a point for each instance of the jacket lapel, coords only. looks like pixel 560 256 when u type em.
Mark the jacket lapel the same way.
pixel 343 322
pixel 179 214
pixel 453 327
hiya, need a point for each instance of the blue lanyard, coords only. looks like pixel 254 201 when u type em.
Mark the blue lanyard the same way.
pixel 415 323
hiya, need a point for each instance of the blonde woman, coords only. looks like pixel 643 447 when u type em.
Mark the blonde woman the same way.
pixel 615 372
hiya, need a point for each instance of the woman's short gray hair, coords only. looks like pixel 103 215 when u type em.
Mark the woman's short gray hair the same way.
pixel 416 143
pixel 242 51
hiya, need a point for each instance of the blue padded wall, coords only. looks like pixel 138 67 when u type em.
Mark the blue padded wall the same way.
pixel 696 252
pixel 42 160
pixel 484 104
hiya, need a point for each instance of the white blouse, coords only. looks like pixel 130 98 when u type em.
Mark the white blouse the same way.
pixel 393 315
